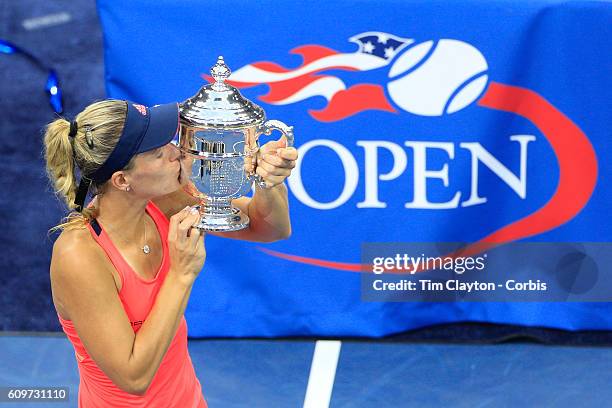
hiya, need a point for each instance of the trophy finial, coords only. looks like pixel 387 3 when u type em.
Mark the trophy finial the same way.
pixel 220 72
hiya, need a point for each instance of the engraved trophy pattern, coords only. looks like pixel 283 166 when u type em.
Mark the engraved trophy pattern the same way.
pixel 219 140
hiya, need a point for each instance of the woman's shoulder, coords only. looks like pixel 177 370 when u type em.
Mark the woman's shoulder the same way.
pixel 77 263
pixel 73 241
pixel 76 249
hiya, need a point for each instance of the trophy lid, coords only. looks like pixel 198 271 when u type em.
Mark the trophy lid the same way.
pixel 220 105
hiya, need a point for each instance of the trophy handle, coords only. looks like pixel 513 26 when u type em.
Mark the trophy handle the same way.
pixel 266 128
pixel 287 131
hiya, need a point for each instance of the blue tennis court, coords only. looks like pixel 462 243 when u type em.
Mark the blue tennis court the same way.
pixel 275 373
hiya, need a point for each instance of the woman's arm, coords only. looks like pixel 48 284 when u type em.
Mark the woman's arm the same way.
pixel 268 212
pixel 84 288
pixel 268 209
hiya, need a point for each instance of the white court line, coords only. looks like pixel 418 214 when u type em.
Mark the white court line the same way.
pixel 322 374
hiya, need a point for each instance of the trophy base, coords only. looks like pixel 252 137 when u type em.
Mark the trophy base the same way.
pixel 235 221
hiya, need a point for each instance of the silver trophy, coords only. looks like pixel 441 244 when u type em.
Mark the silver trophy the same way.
pixel 219 139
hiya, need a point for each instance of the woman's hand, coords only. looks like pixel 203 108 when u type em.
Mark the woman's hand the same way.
pixel 186 245
pixel 275 161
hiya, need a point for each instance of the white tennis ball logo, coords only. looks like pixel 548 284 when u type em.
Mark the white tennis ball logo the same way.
pixel 432 82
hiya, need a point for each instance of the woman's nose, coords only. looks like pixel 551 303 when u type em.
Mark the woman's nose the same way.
pixel 175 153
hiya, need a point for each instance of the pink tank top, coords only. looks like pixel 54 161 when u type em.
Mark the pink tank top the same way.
pixel 175 383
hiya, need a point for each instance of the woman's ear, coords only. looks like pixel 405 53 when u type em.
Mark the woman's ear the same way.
pixel 119 180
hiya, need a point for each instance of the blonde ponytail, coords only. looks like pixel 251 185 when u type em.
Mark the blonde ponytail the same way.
pixel 98 131
pixel 60 165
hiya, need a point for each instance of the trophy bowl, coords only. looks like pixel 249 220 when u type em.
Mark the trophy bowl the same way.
pixel 219 140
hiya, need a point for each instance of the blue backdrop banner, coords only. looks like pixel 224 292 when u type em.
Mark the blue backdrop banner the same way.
pixel 465 121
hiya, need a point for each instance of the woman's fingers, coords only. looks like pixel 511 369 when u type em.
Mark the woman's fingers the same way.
pixel 275 163
pixel 278 161
pixel 175 220
pixel 274 169
pixel 272 179
pixel 195 236
pixel 184 226
pixel 288 153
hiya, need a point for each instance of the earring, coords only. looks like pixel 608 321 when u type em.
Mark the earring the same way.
pixel 128 189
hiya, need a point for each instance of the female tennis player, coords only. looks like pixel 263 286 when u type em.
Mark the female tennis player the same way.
pixel 123 266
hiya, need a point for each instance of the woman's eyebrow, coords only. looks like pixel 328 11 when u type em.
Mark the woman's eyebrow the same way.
pixel 155 152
